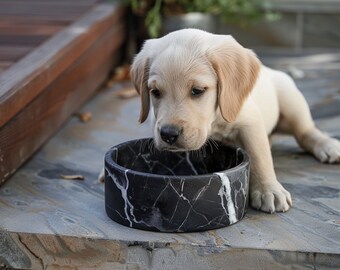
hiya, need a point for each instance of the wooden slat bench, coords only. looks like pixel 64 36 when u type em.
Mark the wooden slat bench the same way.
pixel 25 24
pixel 56 55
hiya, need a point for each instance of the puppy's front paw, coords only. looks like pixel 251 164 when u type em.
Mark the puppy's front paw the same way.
pixel 328 151
pixel 270 198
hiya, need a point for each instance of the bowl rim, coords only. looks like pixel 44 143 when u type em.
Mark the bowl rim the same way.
pixel 109 162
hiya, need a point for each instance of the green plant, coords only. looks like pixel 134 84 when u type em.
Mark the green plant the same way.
pixel 236 11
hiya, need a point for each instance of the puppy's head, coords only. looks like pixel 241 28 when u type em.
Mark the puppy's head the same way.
pixel 190 76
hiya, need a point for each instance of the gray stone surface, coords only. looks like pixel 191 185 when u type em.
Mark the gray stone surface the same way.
pixel 50 223
pixel 302 24
pixel 321 31
pixel 307 6
pixel 286 32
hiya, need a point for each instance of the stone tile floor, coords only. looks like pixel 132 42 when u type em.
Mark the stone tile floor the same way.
pixel 49 222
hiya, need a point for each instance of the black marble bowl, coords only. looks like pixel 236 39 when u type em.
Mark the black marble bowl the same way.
pixel 175 192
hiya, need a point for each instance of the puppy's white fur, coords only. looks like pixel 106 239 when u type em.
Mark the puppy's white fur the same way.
pixel 243 102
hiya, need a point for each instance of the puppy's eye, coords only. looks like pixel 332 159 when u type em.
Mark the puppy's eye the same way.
pixel 156 93
pixel 197 92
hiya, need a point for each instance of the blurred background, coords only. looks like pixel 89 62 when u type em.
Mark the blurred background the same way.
pixel 293 24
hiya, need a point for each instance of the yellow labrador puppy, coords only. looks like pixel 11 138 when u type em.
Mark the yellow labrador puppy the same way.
pixel 203 85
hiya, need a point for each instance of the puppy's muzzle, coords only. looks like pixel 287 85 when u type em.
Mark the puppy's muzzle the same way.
pixel 170 133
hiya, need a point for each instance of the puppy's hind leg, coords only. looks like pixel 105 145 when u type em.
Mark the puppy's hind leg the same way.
pixel 296 119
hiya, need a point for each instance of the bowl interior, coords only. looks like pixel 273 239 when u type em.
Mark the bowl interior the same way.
pixel 142 156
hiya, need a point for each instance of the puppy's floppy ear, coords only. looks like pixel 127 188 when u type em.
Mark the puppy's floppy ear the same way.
pixel 237 69
pixel 139 74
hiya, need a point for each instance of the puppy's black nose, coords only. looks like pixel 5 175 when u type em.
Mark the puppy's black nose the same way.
pixel 170 133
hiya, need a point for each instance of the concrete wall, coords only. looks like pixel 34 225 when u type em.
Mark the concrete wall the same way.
pixel 303 24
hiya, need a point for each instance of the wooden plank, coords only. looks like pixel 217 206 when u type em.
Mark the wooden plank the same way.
pixel 32 25
pixel 29 129
pixel 5 65
pixel 20 84
pixel 19 28
pixel 23 39
pixel 45 9
pixel 13 53
pixel 28 3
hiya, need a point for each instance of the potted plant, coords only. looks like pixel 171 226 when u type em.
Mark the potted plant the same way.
pixel 163 16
